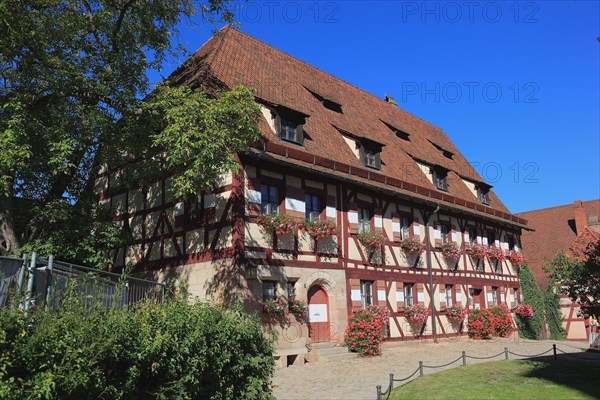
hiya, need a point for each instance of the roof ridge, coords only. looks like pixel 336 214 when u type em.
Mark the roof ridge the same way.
pixel 551 207
pixel 335 77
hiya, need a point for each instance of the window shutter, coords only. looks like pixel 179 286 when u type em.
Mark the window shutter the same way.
pixel 458 295
pixel 210 207
pixel 502 292
pixel 437 234
pixel 277 123
pixel 254 197
pixel 353 217
pixel 396 228
pixel 294 203
pixel 330 209
pixel 378 220
pixel 378 160
pixel 399 296
pixel 299 134
pixel 443 302
pixel 355 294
pixel 416 230
pixel 379 293
pixel 420 293
pixel 489 297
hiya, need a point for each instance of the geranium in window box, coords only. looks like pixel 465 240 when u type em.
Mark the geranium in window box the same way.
pixel 516 258
pixel 416 314
pixel 276 307
pixel 411 245
pixel 456 313
pixel 478 251
pixel 451 251
pixel 524 311
pixel 372 240
pixel 319 229
pixel 297 308
pixel 279 223
pixel 497 254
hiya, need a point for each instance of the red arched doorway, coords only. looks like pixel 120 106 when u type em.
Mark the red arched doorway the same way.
pixel 318 314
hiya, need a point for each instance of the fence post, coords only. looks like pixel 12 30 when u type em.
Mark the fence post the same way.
pixel 22 276
pixel 506 353
pixel 30 282
pixel 421 369
pixel 554 349
pixel 378 392
pixel 49 279
pixel 464 356
pixel 391 387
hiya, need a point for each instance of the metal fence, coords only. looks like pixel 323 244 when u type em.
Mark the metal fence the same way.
pixel 49 282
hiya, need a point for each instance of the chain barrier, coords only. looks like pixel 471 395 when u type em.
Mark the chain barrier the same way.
pixel 485 358
pixel 464 357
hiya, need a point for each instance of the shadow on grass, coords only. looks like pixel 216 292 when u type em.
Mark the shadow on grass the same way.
pixel 578 371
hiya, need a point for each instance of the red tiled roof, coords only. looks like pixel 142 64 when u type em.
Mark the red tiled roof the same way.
pixel 232 58
pixel 555 232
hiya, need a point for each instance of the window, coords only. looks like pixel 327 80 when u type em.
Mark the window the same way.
pixel 370 154
pixel 449 296
pixel 289 124
pixel 484 195
pixel 408 294
pixel 445 232
pixel 440 179
pixel 473 234
pixel 371 158
pixel 400 134
pixel 366 293
pixel 404 227
pixel 511 242
pixel 516 295
pixel 495 296
pixel 313 209
pixel 268 288
pixel 471 297
pixel 288 130
pixel 491 237
pixel 498 267
pixel 269 199
pixel 364 220
pixel 291 289
pixel 446 153
pixel 329 104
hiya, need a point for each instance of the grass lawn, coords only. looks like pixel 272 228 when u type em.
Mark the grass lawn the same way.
pixel 518 379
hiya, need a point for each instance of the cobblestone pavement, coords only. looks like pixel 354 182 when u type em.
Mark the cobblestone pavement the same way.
pixel 357 378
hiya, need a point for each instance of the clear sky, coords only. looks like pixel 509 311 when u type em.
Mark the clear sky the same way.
pixel 515 85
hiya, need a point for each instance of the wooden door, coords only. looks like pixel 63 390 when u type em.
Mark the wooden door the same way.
pixel 318 314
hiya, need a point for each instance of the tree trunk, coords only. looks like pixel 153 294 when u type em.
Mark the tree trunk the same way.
pixel 9 242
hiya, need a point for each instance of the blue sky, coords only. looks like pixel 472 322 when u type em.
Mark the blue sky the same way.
pixel 515 85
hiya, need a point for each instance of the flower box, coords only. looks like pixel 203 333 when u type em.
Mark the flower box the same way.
pixel 278 223
pixel 412 245
pixel 478 251
pixel 496 253
pixel 372 240
pixel 451 251
pixel 319 229
pixel 516 258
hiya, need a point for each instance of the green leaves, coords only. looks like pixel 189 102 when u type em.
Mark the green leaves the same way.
pixel 173 350
pixel 202 135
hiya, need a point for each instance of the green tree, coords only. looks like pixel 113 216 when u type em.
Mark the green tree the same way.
pixel 580 279
pixel 531 328
pixel 71 74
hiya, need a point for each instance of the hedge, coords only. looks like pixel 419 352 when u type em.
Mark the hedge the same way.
pixel 174 350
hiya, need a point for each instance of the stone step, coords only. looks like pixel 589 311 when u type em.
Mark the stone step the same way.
pixel 337 357
pixel 323 345
pixel 332 350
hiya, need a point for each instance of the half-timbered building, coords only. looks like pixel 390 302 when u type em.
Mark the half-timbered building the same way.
pixel 332 152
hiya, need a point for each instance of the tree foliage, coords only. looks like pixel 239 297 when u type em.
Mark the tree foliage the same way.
pixel 71 76
pixel 580 279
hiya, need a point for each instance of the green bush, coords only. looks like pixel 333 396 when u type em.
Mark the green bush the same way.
pixel 174 350
pixel 531 328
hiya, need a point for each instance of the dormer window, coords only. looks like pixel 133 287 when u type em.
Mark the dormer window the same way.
pixel 328 104
pixel 400 134
pixel 483 192
pixel 370 155
pixel 446 153
pixel 440 178
pixel 289 124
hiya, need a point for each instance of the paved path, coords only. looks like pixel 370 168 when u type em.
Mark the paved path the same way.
pixel 357 378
